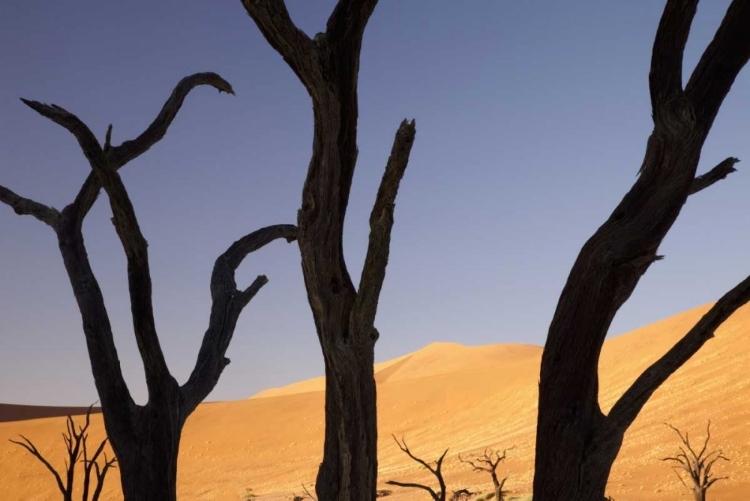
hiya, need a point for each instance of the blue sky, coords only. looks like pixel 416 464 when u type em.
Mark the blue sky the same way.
pixel 532 120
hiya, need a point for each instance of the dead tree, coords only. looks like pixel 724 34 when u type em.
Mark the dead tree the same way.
pixel 576 443
pixel 489 463
pixel 145 438
pixel 697 465
pixel 436 471
pixel 76 447
pixel 328 67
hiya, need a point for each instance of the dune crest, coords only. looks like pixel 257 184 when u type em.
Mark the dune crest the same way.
pixel 449 395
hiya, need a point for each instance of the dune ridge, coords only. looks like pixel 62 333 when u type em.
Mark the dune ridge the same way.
pixel 447 395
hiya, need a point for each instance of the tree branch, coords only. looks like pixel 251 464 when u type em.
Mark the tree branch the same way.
pixel 27 207
pixel 29 446
pixel 665 76
pixel 626 409
pixel 414 486
pixel 228 303
pixel 405 448
pixel 722 170
pixel 381 224
pixel 720 63
pixel 277 27
pixel 129 150
pixel 105 364
pixel 139 277
pixel 86 139
pixel 120 155
pixel 347 22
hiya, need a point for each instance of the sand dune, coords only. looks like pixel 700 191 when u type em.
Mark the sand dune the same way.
pixel 446 395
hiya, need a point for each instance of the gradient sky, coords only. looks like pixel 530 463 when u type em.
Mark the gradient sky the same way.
pixel 532 120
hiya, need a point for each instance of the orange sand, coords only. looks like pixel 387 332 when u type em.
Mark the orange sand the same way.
pixel 445 395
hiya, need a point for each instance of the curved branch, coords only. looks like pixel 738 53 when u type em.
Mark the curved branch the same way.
pixel 626 409
pixel 720 63
pixel 228 303
pixel 118 156
pixel 27 207
pixel 129 150
pixel 381 224
pixel 414 486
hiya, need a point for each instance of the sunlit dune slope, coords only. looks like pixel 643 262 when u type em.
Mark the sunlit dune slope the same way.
pixel 447 396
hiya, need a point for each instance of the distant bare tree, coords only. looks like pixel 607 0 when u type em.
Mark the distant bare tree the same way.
pixel 145 438
pixel 436 471
pixel 696 465
pixel 489 463
pixel 576 443
pixel 76 446
pixel 328 67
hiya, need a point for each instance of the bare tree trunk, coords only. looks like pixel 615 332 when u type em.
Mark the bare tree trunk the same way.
pixel 576 443
pixel 148 464
pixel 328 67
pixel 350 410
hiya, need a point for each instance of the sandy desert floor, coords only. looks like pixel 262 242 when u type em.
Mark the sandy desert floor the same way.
pixel 445 396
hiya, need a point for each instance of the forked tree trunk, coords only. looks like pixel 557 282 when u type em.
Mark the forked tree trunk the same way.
pixel 576 443
pixel 328 67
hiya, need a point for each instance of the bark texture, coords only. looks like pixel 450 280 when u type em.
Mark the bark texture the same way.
pixel 328 67
pixel 576 443
pixel 144 438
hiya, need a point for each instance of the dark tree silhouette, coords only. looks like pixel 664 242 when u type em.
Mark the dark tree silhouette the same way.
pixel 576 443
pixel 697 466
pixel 489 462
pixel 145 438
pixel 436 471
pixel 328 67
pixel 76 445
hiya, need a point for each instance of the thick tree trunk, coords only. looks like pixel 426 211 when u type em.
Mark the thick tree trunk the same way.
pixel 699 494
pixel 577 466
pixel 349 467
pixel 148 466
pixel 146 441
